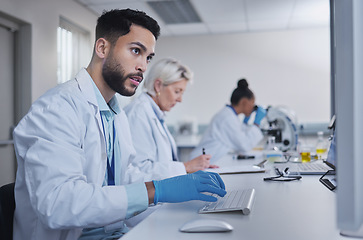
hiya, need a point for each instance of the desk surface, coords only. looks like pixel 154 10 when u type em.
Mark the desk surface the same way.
pixel 296 210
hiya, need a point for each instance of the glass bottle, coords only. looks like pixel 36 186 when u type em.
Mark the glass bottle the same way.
pixel 321 145
pixel 271 143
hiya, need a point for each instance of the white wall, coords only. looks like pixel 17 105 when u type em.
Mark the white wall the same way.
pixel 43 15
pixel 289 68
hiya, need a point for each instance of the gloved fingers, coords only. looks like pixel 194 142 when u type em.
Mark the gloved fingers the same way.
pixel 201 175
pixel 207 181
pixel 261 111
pixel 218 179
pixel 211 189
pixel 207 198
pixel 210 178
pixel 246 119
pixel 215 181
pixel 260 114
pixel 214 177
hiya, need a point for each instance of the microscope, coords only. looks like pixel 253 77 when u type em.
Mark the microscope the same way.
pixel 281 123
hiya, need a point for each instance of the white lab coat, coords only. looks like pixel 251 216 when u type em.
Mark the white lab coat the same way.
pixel 62 157
pixel 154 159
pixel 227 133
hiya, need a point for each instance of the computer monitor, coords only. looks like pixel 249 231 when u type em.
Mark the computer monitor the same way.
pixel 331 158
pixel 348 57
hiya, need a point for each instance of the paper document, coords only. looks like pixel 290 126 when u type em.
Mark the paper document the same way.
pixel 237 169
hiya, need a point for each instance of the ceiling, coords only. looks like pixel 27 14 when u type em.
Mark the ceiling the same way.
pixel 224 16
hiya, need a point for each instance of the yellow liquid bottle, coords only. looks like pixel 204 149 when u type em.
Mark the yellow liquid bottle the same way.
pixel 305 156
pixel 320 151
pixel 321 145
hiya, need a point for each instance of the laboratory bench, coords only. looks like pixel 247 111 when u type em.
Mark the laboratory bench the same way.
pixel 186 143
pixel 301 210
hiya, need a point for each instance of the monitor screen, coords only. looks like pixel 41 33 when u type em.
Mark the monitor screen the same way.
pixel 331 158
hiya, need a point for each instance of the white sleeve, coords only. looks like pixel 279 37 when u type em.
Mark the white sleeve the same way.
pixel 146 166
pixel 242 137
pixel 52 162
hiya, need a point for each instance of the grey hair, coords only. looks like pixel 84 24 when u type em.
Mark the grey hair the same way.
pixel 169 71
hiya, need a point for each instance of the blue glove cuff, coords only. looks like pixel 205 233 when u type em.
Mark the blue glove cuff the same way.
pixel 156 195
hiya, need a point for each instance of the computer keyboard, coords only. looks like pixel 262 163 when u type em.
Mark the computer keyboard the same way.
pixel 313 167
pixel 234 200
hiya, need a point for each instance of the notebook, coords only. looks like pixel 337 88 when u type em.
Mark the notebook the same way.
pixel 316 167
pixel 237 169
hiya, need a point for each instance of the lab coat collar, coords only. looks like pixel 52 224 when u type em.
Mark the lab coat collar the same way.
pixel 100 100
pixel 159 114
pixel 87 85
pixel 230 106
pixel 112 105
pixel 84 81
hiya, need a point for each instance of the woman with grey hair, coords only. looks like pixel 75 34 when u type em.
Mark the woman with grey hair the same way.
pixel 156 152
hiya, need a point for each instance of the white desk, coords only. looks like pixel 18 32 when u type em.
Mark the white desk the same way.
pixel 299 210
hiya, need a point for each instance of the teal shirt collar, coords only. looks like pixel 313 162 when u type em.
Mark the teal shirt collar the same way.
pixel 103 106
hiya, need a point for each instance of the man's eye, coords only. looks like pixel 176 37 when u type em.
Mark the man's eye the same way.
pixel 136 50
pixel 149 58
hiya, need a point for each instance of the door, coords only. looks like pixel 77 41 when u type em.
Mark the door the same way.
pixel 7 105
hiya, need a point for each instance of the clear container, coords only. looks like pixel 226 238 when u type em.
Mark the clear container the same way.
pixel 305 153
pixel 321 145
pixel 272 153
pixel 271 143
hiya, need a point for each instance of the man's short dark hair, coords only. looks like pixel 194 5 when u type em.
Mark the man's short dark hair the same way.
pixel 115 23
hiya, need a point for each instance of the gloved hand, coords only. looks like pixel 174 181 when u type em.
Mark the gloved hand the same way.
pixel 260 114
pixel 247 118
pixel 189 187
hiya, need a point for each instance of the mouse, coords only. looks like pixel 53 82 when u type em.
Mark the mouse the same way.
pixel 206 225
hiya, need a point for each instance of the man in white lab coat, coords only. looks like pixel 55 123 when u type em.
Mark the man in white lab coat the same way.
pixel 74 145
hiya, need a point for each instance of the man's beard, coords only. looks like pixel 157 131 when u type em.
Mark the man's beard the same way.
pixel 114 76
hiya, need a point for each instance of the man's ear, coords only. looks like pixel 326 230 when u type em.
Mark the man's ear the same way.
pixel 102 47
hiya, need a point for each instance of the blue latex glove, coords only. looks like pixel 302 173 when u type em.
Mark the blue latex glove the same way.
pixel 247 118
pixel 189 187
pixel 260 114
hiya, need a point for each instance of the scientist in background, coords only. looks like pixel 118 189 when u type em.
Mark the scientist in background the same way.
pixel 156 149
pixel 226 132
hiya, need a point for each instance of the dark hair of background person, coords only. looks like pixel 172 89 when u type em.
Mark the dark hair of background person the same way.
pixel 115 23
pixel 242 91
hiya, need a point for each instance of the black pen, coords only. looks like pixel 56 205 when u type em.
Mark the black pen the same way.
pixel 203 151
pixel 245 156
